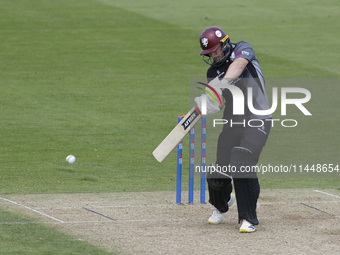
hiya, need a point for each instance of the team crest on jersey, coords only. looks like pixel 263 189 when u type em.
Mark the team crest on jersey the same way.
pixel 205 42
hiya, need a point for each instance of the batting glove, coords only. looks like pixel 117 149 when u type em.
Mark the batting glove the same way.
pixel 206 104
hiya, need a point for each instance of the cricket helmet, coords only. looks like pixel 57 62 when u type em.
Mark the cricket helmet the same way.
pixel 211 38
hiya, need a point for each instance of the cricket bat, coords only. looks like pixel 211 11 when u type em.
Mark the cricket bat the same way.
pixel 177 134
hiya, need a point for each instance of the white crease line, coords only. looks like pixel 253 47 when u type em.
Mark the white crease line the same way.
pixel 25 223
pixel 325 193
pixel 122 221
pixel 175 205
pixel 31 209
pixel 284 203
pixel 131 221
pixel 105 206
pixel 164 220
pixel 159 205
pixel 51 222
pixel 104 221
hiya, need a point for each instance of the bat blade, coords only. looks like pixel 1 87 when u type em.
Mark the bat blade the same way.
pixel 177 134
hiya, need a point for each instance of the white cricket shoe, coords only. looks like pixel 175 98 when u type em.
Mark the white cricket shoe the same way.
pixel 246 227
pixel 217 216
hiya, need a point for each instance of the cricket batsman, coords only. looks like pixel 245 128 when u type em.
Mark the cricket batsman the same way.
pixel 234 67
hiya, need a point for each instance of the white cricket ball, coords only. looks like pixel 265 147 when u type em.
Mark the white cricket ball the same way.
pixel 70 159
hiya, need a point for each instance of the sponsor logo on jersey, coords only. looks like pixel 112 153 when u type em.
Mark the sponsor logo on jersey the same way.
pixel 220 74
pixel 243 52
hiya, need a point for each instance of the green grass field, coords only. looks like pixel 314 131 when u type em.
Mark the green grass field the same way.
pixel 105 80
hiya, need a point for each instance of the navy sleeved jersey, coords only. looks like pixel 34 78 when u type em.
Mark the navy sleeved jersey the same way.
pixel 251 77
